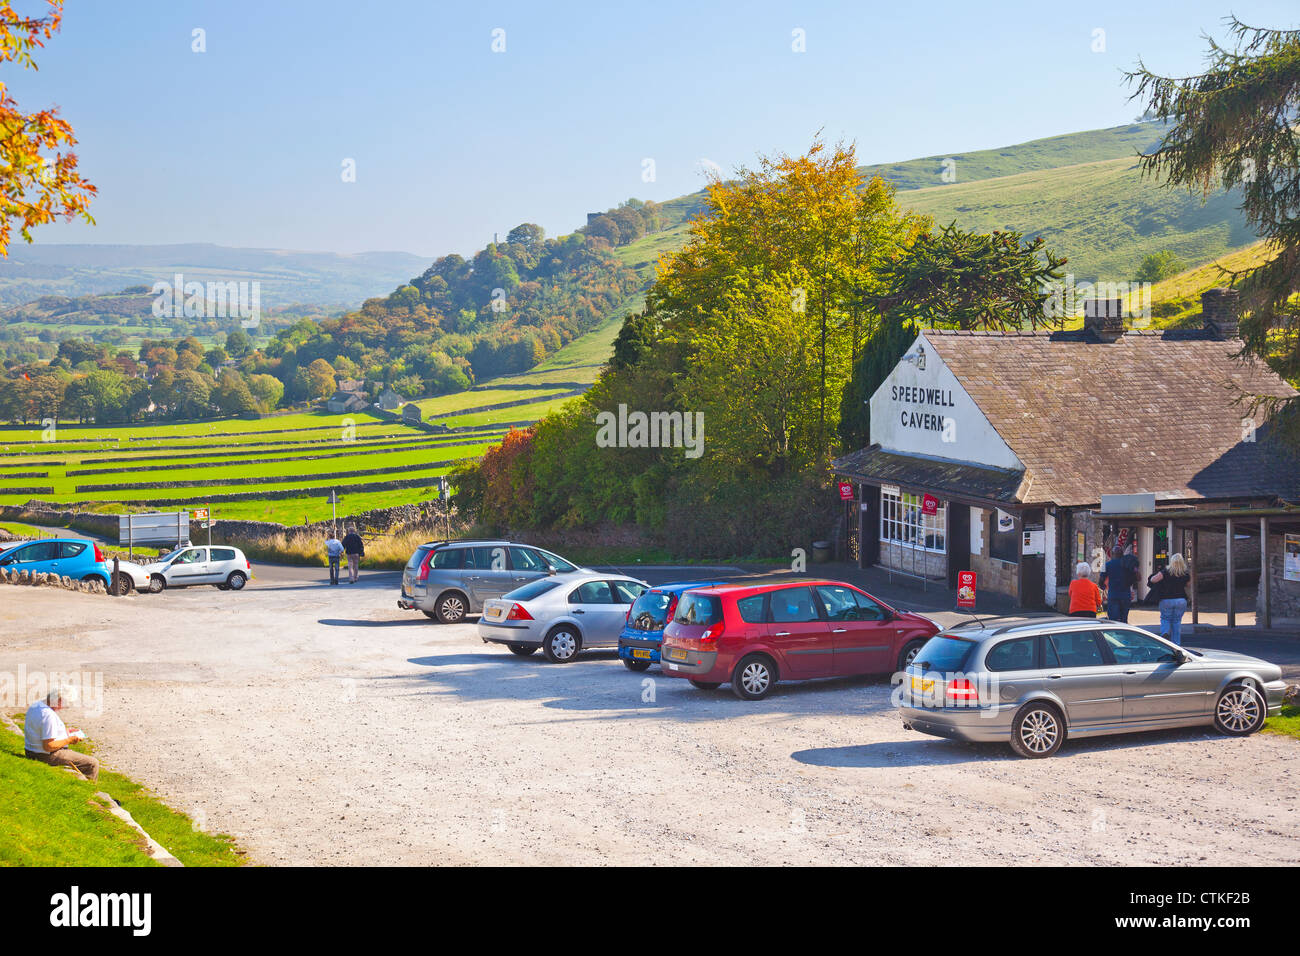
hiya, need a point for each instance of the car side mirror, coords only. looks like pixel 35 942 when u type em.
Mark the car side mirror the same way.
pixel 550 569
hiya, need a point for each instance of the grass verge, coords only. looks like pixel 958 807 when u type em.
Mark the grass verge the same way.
pixel 51 819
pixel 1287 722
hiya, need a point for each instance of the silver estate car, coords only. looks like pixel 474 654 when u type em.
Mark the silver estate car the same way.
pixel 562 616
pixel 448 580
pixel 1034 683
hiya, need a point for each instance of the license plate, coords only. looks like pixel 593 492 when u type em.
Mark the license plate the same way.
pixel 645 655
pixel 924 686
pixel 494 612
pixel 677 653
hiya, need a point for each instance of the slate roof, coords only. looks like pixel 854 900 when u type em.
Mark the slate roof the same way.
pixel 947 479
pixel 1151 412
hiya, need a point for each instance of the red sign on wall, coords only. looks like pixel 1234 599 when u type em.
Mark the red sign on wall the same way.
pixel 929 505
pixel 846 491
pixel 966 589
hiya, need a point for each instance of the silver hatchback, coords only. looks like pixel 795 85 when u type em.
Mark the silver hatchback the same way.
pixel 1033 683
pixel 449 580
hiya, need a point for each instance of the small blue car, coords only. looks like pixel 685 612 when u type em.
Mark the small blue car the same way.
pixel 638 643
pixel 76 558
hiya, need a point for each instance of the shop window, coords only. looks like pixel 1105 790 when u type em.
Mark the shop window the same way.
pixel 902 522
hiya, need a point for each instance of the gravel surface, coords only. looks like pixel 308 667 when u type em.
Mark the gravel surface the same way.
pixel 321 725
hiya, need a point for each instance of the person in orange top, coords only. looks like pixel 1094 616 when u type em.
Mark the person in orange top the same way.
pixel 1085 597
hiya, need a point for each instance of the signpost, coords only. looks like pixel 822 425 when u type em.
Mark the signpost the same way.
pixel 966 590
pixel 158 527
pixel 201 516
pixel 444 495
pixel 334 500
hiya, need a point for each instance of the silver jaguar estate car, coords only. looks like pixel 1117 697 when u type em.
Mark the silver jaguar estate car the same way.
pixel 1034 683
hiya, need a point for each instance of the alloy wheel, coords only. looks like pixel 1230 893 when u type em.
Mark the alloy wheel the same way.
pixel 755 678
pixel 1039 731
pixel 1238 709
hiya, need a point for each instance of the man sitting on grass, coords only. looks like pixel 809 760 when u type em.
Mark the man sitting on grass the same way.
pixel 46 739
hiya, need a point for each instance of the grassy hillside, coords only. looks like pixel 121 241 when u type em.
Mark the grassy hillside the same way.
pixel 1177 300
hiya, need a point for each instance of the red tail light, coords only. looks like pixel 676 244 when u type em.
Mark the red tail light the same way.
pixel 713 633
pixel 962 689
pixel 628 616
pixel 519 613
pixel 672 607
pixel 424 566
pixel 99 555
pixel 248 564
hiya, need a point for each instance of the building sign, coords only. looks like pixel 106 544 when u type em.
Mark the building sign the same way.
pixel 966 589
pixel 846 491
pixel 1291 559
pixel 1006 522
pixel 1034 542
pixel 929 505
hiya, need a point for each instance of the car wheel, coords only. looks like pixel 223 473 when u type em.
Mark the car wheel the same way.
pixel 753 677
pixel 1037 731
pixel 706 684
pixel 910 650
pixel 237 580
pixel 561 645
pixel 1240 710
pixel 157 584
pixel 124 585
pixel 634 665
pixel 523 650
pixel 451 608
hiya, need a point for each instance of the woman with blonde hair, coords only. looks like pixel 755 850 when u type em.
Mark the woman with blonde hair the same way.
pixel 1085 597
pixel 1169 587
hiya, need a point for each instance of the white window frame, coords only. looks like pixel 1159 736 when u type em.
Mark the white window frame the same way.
pixel 902 522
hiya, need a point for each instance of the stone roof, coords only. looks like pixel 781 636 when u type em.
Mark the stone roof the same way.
pixel 1157 412
pixel 947 479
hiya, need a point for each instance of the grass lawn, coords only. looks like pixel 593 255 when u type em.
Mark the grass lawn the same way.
pixel 50 819
pixel 1288 722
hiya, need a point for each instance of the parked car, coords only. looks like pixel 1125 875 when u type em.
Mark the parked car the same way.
pixel 130 575
pixel 221 566
pixel 75 558
pixel 561 614
pixel 638 643
pixel 754 636
pixel 448 580
pixel 1034 683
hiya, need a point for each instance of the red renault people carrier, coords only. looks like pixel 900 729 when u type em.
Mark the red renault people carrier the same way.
pixel 754 636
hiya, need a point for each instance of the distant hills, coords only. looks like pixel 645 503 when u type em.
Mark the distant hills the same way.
pixel 326 280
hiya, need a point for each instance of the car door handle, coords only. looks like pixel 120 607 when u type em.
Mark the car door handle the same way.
pixel 579 611
pixel 1053 676
pixel 781 634
pixel 1130 672
pixel 839 630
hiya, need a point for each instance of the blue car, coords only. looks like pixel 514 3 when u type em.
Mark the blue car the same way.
pixel 638 643
pixel 76 558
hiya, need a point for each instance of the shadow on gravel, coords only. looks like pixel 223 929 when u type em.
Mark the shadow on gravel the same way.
pixel 936 751
pixel 344 622
pixel 598 682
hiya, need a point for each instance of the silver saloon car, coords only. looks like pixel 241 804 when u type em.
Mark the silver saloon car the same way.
pixel 561 615
pixel 1034 683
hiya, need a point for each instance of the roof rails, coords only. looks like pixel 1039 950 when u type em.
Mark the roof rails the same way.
pixel 1038 622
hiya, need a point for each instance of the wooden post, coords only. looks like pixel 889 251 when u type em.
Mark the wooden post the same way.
pixel 1264 617
pixel 1231 575
pixel 1191 566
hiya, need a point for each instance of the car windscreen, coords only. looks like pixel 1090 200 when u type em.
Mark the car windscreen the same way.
pixel 696 608
pixel 418 558
pixel 533 589
pixel 942 653
pixel 650 612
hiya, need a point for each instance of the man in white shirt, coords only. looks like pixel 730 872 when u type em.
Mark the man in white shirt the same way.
pixel 334 550
pixel 45 738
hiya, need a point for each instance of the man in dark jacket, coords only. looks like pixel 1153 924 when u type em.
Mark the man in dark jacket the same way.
pixel 1118 580
pixel 355 549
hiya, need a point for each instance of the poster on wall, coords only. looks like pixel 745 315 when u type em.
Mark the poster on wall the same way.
pixel 1291 558
pixel 1080 547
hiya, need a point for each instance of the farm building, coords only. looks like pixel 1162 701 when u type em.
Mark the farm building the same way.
pixel 389 400
pixel 1017 455
pixel 411 413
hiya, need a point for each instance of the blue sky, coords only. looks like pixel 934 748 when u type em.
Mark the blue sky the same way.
pixel 244 144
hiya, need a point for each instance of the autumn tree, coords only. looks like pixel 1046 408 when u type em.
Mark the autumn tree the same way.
pixel 39 180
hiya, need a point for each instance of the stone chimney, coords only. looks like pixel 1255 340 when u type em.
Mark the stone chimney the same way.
pixel 1220 311
pixel 1104 318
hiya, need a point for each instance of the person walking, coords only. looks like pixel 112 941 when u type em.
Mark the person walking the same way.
pixel 1170 587
pixel 1085 596
pixel 1118 580
pixel 334 550
pixel 355 549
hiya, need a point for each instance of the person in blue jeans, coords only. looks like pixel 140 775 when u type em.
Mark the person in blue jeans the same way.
pixel 1169 585
pixel 1118 580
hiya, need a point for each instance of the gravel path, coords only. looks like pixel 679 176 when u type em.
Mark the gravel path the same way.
pixel 323 726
